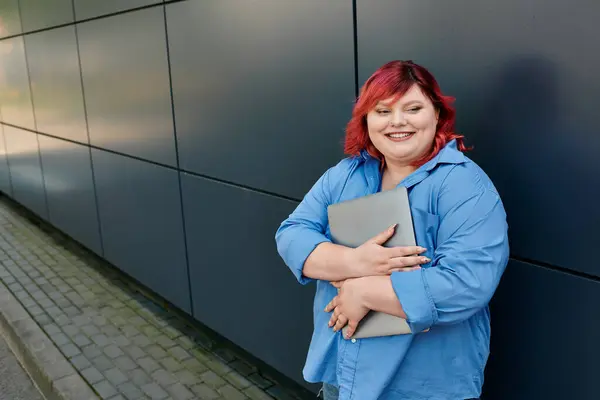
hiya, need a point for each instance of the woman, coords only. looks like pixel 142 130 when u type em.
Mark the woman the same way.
pixel 401 133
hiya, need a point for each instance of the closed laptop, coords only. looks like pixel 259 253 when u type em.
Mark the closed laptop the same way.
pixel 353 222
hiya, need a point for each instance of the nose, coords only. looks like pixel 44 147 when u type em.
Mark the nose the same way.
pixel 397 118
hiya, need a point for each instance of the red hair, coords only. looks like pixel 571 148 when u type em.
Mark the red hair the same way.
pixel 394 79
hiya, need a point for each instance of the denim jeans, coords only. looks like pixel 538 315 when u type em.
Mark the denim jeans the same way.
pixel 331 392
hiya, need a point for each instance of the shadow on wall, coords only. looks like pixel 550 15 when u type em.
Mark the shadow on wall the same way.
pixel 517 122
pixel 539 150
pixel 538 155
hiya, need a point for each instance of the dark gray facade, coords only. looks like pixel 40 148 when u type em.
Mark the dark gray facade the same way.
pixel 172 138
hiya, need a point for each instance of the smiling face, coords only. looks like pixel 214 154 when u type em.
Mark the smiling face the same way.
pixel 403 131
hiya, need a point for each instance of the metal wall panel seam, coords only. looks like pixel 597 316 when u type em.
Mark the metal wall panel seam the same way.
pixel 196 174
pixel 6 157
pixel 556 268
pixel 88 19
pixel 115 13
pixel 87 130
pixel 187 261
pixel 34 118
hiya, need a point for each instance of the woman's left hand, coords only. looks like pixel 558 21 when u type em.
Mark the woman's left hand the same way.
pixel 348 307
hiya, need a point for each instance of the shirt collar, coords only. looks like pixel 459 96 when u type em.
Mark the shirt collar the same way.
pixel 449 154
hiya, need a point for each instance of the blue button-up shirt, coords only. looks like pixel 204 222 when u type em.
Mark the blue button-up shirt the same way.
pixel 459 218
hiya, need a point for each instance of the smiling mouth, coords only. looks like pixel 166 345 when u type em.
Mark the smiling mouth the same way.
pixel 399 136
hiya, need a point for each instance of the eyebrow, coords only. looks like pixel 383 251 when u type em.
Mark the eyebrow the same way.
pixel 407 104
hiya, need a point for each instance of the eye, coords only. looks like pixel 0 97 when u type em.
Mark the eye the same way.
pixel 382 111
pixel 415 109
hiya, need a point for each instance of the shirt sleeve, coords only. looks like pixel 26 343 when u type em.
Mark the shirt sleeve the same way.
pixel 468 262
pixel 305 228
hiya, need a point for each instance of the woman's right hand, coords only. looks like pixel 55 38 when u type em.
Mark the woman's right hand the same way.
pixel 371 258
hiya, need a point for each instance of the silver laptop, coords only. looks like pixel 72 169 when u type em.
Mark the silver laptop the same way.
pixel 353 222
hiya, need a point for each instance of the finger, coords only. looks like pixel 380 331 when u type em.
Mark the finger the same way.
pixel 351 329
pixel 337 284
pixel 341 322
pixel 410 269
pixel 384 236
pixel 332 304
pixel 334 317
pixel 403 251
pixel 337 312
pixel 332 320
pixel 405 269
pixel 401 262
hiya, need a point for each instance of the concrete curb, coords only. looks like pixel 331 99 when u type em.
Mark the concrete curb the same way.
pixel 53 375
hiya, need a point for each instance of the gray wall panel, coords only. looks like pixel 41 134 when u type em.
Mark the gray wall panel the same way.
pixel 240 287
pixel 10 20
pixel 70 190
pixel 56 83
pixel 269 84
pixel 25 169
pixel 126 82
pixel 521 100
pixel 142 229
pixel 263 90
pixel 93 8
pixel 5 186
pixel 15 94
pixel 40 14
pixel 544 336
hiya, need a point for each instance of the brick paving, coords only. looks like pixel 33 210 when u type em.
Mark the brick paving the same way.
pixel 122 343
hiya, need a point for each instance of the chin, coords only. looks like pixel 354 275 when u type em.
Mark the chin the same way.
pixel 404 157
pixel 400 151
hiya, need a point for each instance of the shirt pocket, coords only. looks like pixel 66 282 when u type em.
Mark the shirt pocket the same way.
pixel 426 227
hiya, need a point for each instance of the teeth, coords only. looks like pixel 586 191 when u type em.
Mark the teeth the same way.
pixel 399 135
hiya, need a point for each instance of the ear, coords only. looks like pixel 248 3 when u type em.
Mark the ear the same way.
pixel 437 115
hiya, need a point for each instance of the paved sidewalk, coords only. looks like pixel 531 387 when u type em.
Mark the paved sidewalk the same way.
pixel 15 384
pixel 123 344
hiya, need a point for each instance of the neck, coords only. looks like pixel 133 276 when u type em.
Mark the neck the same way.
pixel 393 174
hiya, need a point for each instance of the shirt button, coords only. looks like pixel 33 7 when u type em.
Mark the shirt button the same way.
pixel 353 340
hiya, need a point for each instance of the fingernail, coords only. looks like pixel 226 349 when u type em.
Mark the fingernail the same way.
pixel 392 227
pixel 425 259
pixel 422 248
